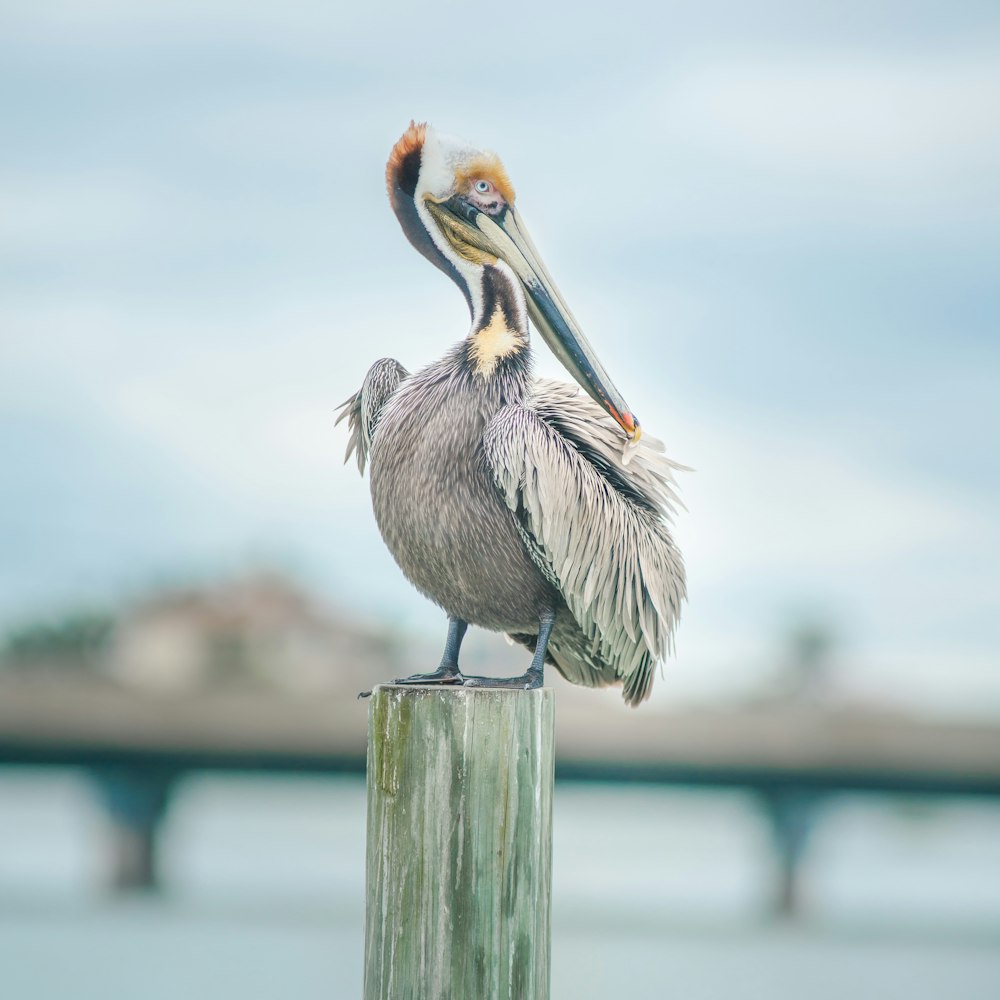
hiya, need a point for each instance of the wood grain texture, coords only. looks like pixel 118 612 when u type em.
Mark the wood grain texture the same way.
pixel 459 855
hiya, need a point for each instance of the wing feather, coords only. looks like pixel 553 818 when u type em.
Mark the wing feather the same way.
pixel 362 410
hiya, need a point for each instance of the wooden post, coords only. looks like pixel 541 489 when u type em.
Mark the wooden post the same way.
pixel 459 866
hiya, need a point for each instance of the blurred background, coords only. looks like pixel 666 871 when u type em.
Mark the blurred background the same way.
pixel 779 225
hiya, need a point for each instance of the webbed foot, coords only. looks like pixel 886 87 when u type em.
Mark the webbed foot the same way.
pixel 526 682
pixel 445 674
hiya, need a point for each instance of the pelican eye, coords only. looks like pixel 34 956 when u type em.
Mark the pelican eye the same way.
pixel 484 187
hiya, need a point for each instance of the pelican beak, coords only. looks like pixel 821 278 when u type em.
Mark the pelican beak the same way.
pixel 504 236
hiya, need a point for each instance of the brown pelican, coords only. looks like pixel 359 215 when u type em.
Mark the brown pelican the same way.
pixel 516 504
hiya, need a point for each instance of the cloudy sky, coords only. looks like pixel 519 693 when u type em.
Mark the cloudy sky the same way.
pixel 779 225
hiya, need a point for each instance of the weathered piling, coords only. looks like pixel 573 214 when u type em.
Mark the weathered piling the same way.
pixel 459 854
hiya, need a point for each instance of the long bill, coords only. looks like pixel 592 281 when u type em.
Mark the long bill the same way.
pixel 506 238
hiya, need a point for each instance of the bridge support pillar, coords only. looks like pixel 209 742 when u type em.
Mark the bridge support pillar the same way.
pixel 792 813
pixel 135 801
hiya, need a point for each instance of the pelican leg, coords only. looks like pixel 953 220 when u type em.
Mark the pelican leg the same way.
pixel 447 672
pixel 532 677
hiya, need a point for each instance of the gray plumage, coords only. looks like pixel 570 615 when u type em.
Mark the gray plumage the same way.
pixel 500 497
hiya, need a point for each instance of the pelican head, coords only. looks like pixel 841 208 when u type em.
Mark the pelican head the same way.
pixel 456 205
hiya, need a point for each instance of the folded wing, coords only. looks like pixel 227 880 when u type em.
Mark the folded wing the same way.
pixel 598 527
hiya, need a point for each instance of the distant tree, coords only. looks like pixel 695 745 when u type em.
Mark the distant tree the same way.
pixel 75 640
pixel 809 664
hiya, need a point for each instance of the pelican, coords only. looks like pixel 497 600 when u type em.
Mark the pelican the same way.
pixel 515 503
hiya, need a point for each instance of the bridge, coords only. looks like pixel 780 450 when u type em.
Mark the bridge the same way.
pixel 793 756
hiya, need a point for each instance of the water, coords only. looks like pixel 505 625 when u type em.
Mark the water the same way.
pixel 656 894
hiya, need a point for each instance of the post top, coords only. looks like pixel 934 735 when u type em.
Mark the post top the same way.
pixel 457 691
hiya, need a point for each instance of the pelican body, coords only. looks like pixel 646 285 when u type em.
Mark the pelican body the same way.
pixel 516 504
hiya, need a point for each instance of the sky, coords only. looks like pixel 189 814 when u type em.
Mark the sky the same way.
pixel 778 225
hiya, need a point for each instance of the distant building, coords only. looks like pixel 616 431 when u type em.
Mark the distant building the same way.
pixel 257 629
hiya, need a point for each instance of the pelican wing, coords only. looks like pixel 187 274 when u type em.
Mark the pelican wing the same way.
pixel 364 407
pixel 598 527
